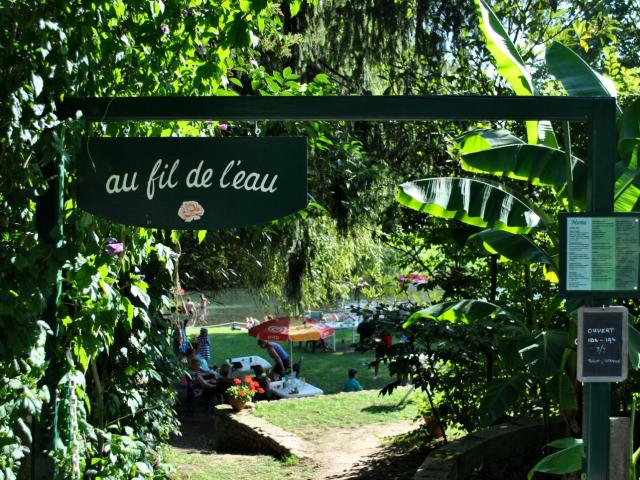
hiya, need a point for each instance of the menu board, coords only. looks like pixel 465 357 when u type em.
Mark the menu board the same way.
pixel 600 254
pixel 603 347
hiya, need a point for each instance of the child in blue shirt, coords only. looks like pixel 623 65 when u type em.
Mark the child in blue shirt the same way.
pixel 352 385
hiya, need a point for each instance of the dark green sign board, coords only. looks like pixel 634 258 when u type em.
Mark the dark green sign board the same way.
pixel 599 254
pixel 603 346
pixel 193 183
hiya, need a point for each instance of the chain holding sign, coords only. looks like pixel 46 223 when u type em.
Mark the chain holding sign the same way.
pixel 193 183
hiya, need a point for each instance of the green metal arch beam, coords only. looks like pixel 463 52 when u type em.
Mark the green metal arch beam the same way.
pixel 357 108
pixel 599 112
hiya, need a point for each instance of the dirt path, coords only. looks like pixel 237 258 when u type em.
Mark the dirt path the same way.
pixel 356 452
pixel 360 453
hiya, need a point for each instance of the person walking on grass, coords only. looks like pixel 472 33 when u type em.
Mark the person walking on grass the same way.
pixel 204 302
pixel 352 385
pixel 190 309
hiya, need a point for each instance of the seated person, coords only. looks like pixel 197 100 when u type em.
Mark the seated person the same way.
pixel 278 354
pixel 224 382
pixel 198 363
pixel 206 384
pixel 261 377
pixel 352 385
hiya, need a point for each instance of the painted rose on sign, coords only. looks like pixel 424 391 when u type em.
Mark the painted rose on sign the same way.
pixel 190 210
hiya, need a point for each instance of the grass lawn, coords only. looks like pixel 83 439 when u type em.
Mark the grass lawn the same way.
pixel 207 466
pixel 325 370
pixel 309 417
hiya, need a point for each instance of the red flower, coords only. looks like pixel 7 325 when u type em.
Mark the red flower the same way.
pixel 260 390
pixel 242 393
pixel 236 381
pixel 248 380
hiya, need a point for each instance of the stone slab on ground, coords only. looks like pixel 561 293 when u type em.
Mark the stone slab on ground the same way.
pixel 242 431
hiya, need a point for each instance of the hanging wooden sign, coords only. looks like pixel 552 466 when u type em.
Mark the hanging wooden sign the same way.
pixel 193 183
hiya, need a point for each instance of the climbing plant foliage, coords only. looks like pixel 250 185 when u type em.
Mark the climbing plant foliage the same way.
pixel 106 354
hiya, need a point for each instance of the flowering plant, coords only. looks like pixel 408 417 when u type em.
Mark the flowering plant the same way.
pixel 244 391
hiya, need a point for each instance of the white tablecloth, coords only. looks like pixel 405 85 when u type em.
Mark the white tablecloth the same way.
pixel 350 325
pixel 248 362
pixel 303 391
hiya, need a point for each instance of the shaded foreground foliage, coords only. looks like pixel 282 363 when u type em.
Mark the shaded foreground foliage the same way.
pixel 107 351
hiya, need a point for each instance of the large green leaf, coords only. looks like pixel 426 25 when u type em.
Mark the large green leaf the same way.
pixel 567 460
pixel 578 78
pixel 509 62
pixel 464 311
pixel 629 129
pixel 562 391
pixel 515 247
pixel 458 234
pixel 546 136
pixel 478 202
pixel 536 164
pixel 502 394
pixel 627 192
pixel 485 139
pixel 543 352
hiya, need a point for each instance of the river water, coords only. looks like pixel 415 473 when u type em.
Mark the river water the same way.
pixel 234 305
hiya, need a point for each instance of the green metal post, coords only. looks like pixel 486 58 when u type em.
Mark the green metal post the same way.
pixel 49 224
pixel 600 182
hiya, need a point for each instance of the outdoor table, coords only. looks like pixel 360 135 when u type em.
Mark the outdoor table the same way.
pixel 248 362
pixel 352 325
pixel 303 391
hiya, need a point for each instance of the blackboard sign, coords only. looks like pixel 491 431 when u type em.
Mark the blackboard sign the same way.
pixel 600 254
pixel 603 346
pixel 193 183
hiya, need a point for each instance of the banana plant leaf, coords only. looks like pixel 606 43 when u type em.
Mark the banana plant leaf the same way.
pixel 562 391
pixel 578 78
pixel 543 354
pixel 485 139
pixel 515 247
pixel 501 395
pixel 629 129
pixel 634 347
pixel 463 311
pixel 627 192
pixel 509 62
pixel 459 234
pixel 475 201
pixel 546 135
pixel 567 460
pixel 536 164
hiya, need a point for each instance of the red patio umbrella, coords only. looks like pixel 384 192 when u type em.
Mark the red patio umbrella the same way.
pixel 293 329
